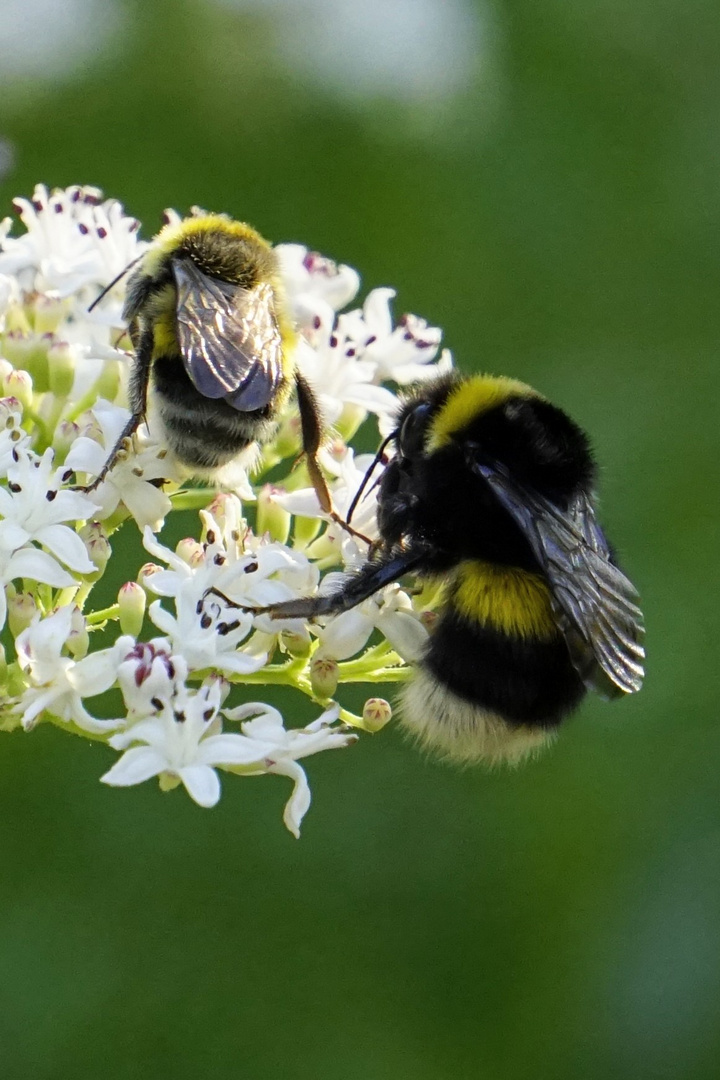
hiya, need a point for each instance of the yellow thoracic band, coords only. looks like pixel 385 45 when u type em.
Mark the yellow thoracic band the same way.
pixel 469 399
pixel 504 598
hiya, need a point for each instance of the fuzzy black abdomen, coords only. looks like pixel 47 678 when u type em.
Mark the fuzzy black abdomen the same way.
pixel 524 680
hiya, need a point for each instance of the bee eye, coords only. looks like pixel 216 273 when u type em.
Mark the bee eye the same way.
pixel 412 432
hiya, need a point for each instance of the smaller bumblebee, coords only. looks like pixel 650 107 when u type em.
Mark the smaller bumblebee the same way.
pixel 214 344
pixel 490 490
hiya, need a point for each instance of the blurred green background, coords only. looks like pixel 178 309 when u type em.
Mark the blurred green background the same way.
pixel 540 179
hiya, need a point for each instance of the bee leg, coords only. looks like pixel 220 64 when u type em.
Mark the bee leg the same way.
pixel 122 445
pixel 143 343
pixel 367 581
pixel 216 592
pixel 311 439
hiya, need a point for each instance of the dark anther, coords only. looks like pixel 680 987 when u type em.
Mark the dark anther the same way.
pixel 83 228
pixel 51 495
pixel 219 559
pixel 210 536
pixel 156 703
pixel 15 488
pixel 208 714
pixel 66 475
pixel 250 568
pixel 179 716
pixel 205 621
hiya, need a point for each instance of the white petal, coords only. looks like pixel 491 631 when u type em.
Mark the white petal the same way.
pixel 346 634
pixel 67 546
pixel 38 566
pixel 299 802
pixel 95 673
pixel 134 767
pixel 12 535
pixel 201 783
pixel 85 455
pixel 406 634
pixel 229 749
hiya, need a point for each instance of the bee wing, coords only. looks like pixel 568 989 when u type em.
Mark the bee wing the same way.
pixel 593 600
pixel 229 338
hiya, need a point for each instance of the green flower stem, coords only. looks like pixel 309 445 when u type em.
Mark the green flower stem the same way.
pixel 192 498
pixel 107 614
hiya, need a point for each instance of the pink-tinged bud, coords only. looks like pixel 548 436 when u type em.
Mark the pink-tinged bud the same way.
pixel 61 368
pixel 65 435
pixel 22 609
pixel 190 551
pixel 131 601
pixel 10 412
pixel 108 384
pixel 16 321
pixel 324 675
pixel 296 643
pixel 48 312
pixel 78 640
pixel 288 441
pixel 98 547
pixel 18 349
pixel 89 427
pixel 429 620
pixel 18 384
pixel 376 713
pixel 271 517
pixel 147 570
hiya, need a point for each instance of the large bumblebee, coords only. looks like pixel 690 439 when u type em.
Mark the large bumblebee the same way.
pixel 490 490
pixel 214 343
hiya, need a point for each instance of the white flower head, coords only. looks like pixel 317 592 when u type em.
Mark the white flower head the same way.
pixel 58 683
pixel 278 749
pixel 184 740
pixel 316 287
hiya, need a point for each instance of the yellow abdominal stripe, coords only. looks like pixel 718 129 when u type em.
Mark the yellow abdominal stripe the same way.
pixel 469 399
pixel 504 598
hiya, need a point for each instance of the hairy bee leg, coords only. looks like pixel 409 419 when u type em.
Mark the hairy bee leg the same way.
pixel 371 578
pixel 311 439
pixel 228 601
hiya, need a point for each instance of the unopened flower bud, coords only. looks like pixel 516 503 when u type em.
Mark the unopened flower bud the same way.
pixel 429 620
pixel 146 571
pixel 305 530
pixel 131 601
pixel 49 312
pixel 10 412
pixel 190 551
pixel 288 440
pixel 376 713
pixel 61 368
pixel 18 349
pixel 16 320
pixel 324 675
pixel 18 384
pixel 297 643
pixel 350 420
pixel 22 609
pixel 78 639
pixel 271 517
pixel 65 435
pixel 108 383
pixel 98 547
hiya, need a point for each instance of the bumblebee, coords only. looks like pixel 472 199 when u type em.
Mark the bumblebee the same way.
pixel 490 491
pixel 214 344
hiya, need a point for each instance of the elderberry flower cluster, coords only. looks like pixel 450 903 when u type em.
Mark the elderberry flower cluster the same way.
pixel 166 671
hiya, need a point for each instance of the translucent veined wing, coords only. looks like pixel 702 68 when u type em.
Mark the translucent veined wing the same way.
pixel 229 338
pixel 595 604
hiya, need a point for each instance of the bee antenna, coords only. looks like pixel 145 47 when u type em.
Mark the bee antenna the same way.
pixel 378 457
pixel 113 283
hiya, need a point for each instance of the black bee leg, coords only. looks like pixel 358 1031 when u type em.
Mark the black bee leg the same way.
pixel 123 445
pixel 311 439
pixel 216 592
pixel 139 378
pixel 358 587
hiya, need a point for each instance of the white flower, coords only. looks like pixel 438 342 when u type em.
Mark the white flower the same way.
pixel 277 749
pixel 350 473
pixel 184 740
pixel 403 353
pixel 338 377
pixel 130 480
pixel 73 239
pixel 148 676
pixel 59 683
pixel 33 564
pixel 389 611
pixel 316 287
pixel 13 437
pixel 34 507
